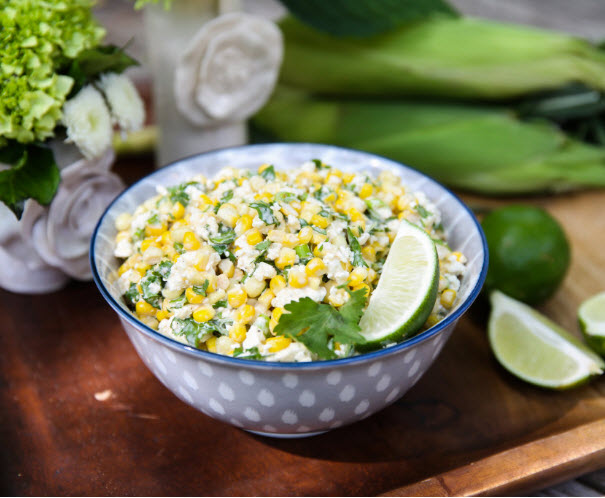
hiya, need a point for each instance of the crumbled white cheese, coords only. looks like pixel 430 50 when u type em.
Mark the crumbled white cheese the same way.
pixel 123 249
pixel 289 294
pixel 296 351
pixel 264 271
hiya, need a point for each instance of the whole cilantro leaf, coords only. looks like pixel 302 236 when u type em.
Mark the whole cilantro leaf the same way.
pixel 315 324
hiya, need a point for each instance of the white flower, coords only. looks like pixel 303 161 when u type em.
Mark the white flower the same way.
pixel 124 101
pixel 21 269
pixel 229 69
pixel 88 122
pixel 61 232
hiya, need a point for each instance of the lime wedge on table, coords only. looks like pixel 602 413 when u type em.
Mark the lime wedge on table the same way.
pixel 536 349
pixel 406 291
pixel 591 316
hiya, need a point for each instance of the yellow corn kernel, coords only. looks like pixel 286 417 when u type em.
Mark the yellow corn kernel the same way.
pixel 272 324
pixel 154 230
pixel 448 296
pixel 190 242
pixel 368 253
pixel 150 321
pixel 371 275
pixel 315 267
pixel 245 313
pixel 319 221
pixel 216 296
pixel 297 278
pixel 314 282
pixel 123 221
pixel 290 240
pixel 203 314
pixel 243 224
pixel 366 191
pixel 331 197
pixel 144 308
pixel 141 268
pixel 266 297
pixel 123 235
pixel 287 257
pixel 354 214
pixel 340 205
pixel 391 236
pixel 202 261
pixel 402 203
pixel 277 283
pixel 165 238
pixel 227 267
pixel 432 320
pixel 254 237
pixel 318 238
pixel 348 177
pixel 276 235
pixel 147 243
pixel 178 211
pixel 254 286
pixel 124 268
pixel 278 343
pixel 237 332
pixel 366 287
pixel 161 315
pixel 277 313
pixel 305 235
pixel 228 214
pixel 192 296
pixel 236 297
pixel 357 276
pixel 211 344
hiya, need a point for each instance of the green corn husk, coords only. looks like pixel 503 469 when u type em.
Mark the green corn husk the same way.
pixel 481 149
pixel 462 58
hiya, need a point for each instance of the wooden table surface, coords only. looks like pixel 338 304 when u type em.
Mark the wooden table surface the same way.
pixel 81 415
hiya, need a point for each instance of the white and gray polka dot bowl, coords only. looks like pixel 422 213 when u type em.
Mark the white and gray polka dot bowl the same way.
pixel 289 399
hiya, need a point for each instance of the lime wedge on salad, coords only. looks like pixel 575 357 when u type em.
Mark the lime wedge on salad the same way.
pixel 407 289
pixel 591 316
pixel 535 349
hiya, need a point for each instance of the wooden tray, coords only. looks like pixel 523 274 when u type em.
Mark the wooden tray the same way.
pixel 81 415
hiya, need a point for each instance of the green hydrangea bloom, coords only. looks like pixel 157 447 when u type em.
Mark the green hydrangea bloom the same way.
pixel 38 37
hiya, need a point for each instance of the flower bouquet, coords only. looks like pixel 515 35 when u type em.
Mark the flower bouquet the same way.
pixel 62 93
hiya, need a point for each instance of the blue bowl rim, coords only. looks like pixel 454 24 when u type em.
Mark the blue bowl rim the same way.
pixel 242 362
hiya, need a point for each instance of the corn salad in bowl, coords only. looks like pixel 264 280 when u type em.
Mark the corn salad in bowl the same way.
pixel 213 262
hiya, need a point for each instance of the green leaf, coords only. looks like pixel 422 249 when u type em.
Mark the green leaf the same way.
pixel 201 289
pixel 34 174
pixel 131 296
pixel 304 253
pixel 316 324
pixel 286 197
pixel 264 211
pixel 91 63
pixel 178 302
pixel 356 249
pixel 179 247
pixel 268 173
pixel 364 17
pixel 220 304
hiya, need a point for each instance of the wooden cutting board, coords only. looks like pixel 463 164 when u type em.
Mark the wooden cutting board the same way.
pixel 81 414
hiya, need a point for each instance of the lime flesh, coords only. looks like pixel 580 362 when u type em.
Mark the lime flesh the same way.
pixel 406 291
pixel 591 316
pixel 536 349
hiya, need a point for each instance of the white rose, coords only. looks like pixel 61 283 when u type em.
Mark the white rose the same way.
pixel 88 122
pixel 21 269
pixel 61 232
pixel 126 106
pixel 229 69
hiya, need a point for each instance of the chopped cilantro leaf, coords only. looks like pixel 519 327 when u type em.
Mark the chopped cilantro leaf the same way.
pixel 178 194
pixel 286 197
pixel 201 289
pixel 320 164
pixel 179 247
pixel 220 304
pixel 178 302
pixel 154 220
pixel 319 230
pixel 226 197
pixel 304 253
pixel 131 296
pixel 221 241
pixel 249 354
pixel 314 324
pixel 138 235
pixel 164 269
pixel 265 212
pixel 268 173
pixel 422 211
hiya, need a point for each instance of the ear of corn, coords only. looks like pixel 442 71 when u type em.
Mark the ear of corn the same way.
pixel 477 148
pixel 468 58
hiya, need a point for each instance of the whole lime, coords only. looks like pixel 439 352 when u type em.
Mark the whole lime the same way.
pixel 528 252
